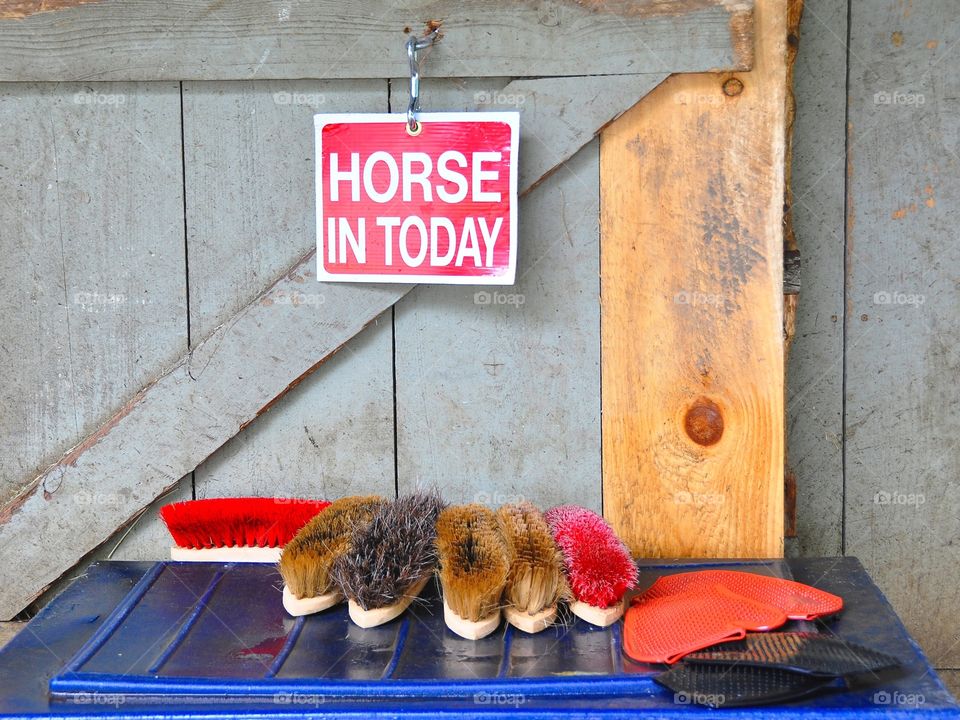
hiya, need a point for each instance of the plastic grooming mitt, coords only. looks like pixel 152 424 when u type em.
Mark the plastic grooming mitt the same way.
pixel 536 582
pixel 598 565
pixel 724 686
pixel 474 564
pixel 664 629
pixel 308 559
pixel 245 529
pixel 390 559
pixel 798 601
pixel 809 653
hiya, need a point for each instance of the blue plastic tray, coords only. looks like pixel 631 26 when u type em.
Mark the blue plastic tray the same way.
pixel 212 641
pixel 204 629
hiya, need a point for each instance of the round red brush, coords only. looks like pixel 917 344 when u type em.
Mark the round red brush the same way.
pixel 598 564
pixel 247 529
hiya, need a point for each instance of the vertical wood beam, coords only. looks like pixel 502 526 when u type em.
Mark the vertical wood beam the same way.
pixel 692 187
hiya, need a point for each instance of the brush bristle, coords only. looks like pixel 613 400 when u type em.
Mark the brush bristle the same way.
pixel 599 567
pixel 535 581
pixel 392 553
pixel 474 560
pixel 307 560
pixel 238 522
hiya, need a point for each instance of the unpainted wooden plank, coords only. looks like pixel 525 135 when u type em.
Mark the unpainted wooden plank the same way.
pixel 815 363
pixel 91 261
pixel 247 39
pixel 692 323
pixel 250 215
pixel 224 383
pixel 8 630
pixel 902 337
pixel 498 391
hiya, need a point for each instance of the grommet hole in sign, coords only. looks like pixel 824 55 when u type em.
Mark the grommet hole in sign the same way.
pixel 417 197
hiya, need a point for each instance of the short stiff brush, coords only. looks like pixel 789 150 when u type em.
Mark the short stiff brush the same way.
pixel 390 559
pixel 308 559
pixel 474 563
pixel 244 529
pixel 535 582
pixel 598 564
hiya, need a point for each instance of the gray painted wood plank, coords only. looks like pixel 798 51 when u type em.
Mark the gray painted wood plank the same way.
pixel 902 337
pixel 173 424
pixel 144 537
pixel 951 678
pixel 91 261
pixel 815 369
pixel 246 39
pixel 498 392
pixel 252 143
pixel 225 382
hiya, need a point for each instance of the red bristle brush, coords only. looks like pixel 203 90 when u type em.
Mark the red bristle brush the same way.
pixel 247 529
pixel 598 564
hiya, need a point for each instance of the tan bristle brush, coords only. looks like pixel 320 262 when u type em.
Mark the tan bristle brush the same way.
pixel 390 559
pixel 535 583
pixel 307 560
pixel 474 564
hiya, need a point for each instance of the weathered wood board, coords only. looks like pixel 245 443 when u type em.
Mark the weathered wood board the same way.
pixel 8 630
pixel 228 379
pixel 144 537
pixel 168 428
pixel 902 456
pixel 91 263
pixel 498 389
pixel 692 347
pixel 815 363
pixel 247 39
pixel 251 145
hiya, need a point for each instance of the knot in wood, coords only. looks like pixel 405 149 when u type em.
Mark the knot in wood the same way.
pixel 704 422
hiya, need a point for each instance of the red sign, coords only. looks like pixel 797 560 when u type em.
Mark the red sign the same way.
pixel 438 207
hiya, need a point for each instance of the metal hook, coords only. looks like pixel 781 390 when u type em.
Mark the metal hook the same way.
pixel 413 46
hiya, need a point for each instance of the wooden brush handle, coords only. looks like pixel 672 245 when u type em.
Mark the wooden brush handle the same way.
pixel 378 616
pixel 531 623
pixel 468 629
pixel 601 617
pixel 227 554
pixel 308 606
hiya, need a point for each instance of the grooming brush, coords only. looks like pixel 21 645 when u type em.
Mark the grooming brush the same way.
pixel 598 564
pixel 390 559
pixel 308 559
pixel 474 564
pixel 535 582
pixel 247 529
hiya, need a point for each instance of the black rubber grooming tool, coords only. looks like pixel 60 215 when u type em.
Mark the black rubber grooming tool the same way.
pixel 808 653
pixel 721 686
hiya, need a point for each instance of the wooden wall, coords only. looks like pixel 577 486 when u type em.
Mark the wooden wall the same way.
pixel 871 403
pixel 137 216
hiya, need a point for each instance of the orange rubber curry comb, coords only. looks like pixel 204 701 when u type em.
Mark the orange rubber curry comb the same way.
pixel 798 601
pixel 664 628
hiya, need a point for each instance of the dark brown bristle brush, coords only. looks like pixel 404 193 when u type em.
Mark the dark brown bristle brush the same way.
pixel 390 559
pixel 307 560
pixel 535 583
pixel 474 563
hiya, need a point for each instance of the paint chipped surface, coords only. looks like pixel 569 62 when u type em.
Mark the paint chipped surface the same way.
pixel 19 9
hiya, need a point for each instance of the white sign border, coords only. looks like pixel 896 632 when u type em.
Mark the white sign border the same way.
pixel 511 118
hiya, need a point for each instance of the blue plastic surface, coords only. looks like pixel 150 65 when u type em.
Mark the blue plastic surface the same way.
pixel 212 630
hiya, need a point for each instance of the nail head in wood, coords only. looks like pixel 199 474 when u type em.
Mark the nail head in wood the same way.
pixel 732 87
